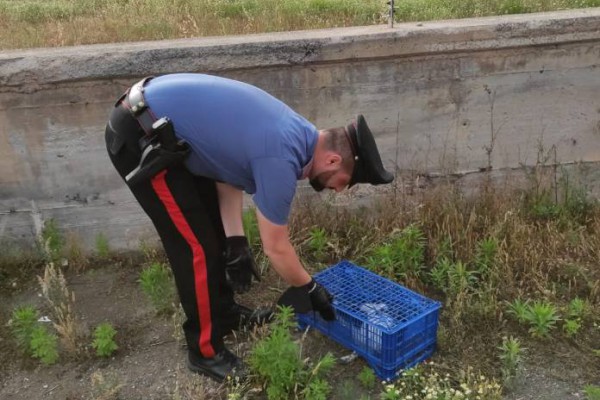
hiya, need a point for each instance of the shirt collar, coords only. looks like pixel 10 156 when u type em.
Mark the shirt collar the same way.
pixel 307 168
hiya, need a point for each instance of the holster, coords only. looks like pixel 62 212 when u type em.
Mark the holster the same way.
pixel 160 150
pixel 159 147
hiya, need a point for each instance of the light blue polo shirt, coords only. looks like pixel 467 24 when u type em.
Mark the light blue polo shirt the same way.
pixel 239 134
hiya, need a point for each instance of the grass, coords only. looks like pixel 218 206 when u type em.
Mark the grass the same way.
pixel 592 392
pixel 44 345
pixel 104 340
pixel 157 284
pixel 61 302
pixel 485 256
pixel 102 246
pixel 48 23
pixel 278 361
pixel 498 264
pixel 32 337
pixel 23 322
pixel 511 357
pixel 542 318
pixel 52 240
pixel 367 378
pixel 401 256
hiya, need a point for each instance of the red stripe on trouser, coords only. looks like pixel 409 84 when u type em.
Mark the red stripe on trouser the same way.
pixel 199 261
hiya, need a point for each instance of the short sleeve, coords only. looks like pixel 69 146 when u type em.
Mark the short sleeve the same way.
pixel 275 188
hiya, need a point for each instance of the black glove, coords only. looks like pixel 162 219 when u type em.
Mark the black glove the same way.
pixel 312 296
pixel 239 264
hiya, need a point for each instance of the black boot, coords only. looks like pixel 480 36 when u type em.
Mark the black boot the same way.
pixel 240 317
pixel 222 365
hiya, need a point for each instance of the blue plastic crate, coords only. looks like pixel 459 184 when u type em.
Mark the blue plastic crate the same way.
pixel 392 327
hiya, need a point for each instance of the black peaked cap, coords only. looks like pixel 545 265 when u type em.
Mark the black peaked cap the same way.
pixel 368 167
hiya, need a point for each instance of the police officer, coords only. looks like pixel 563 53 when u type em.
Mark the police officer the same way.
pixel 188 146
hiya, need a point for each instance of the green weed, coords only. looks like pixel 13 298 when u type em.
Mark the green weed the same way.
pixel 511 357
pixel 277 361
pixel 571 327
pixel 513 7
pixel 578 308
pixel 157 283
pixel 439 273
pixel 22 323
pixel 251 227
pixel 317 242
pixel 401 256
pixel 568 203
pixel 576 312
pixel 485 257
pixel 317 389
pixel 460 278
pixel 519 309
pixel 102 247
pixel 442 249
pixel 542 317
pixel 32 337
pixel 367 378
pixel 542 206
pixel 457 281
pixel 104 340
pixel 592 392
pixel 44 345
pixel 576 204
pixel 238 9
pixel 41 11
pixel 52 240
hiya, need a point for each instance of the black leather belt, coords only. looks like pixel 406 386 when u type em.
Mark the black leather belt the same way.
pixel 134 101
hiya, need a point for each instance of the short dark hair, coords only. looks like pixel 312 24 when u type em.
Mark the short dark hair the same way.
pixel 337 140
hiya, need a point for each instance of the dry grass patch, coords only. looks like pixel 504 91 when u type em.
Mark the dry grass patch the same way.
pixel 49 23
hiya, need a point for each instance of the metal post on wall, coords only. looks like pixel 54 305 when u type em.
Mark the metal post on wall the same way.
pixel 391 14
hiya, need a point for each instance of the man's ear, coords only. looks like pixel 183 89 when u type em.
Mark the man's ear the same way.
pixel 333 159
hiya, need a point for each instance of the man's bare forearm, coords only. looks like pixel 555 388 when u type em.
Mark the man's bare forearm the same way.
pixel 281 253
pixel 230 205
pixel 287 264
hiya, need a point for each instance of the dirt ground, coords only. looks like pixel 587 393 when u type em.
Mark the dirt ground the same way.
pixel 149 363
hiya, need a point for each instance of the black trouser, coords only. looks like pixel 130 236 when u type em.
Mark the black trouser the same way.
pixel 185 211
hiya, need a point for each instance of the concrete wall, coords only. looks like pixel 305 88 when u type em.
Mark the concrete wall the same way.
pixel 451 96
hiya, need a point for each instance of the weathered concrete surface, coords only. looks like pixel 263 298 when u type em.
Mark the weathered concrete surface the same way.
pixel 450 96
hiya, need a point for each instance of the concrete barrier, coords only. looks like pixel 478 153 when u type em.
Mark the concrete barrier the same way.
pixel 451 96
